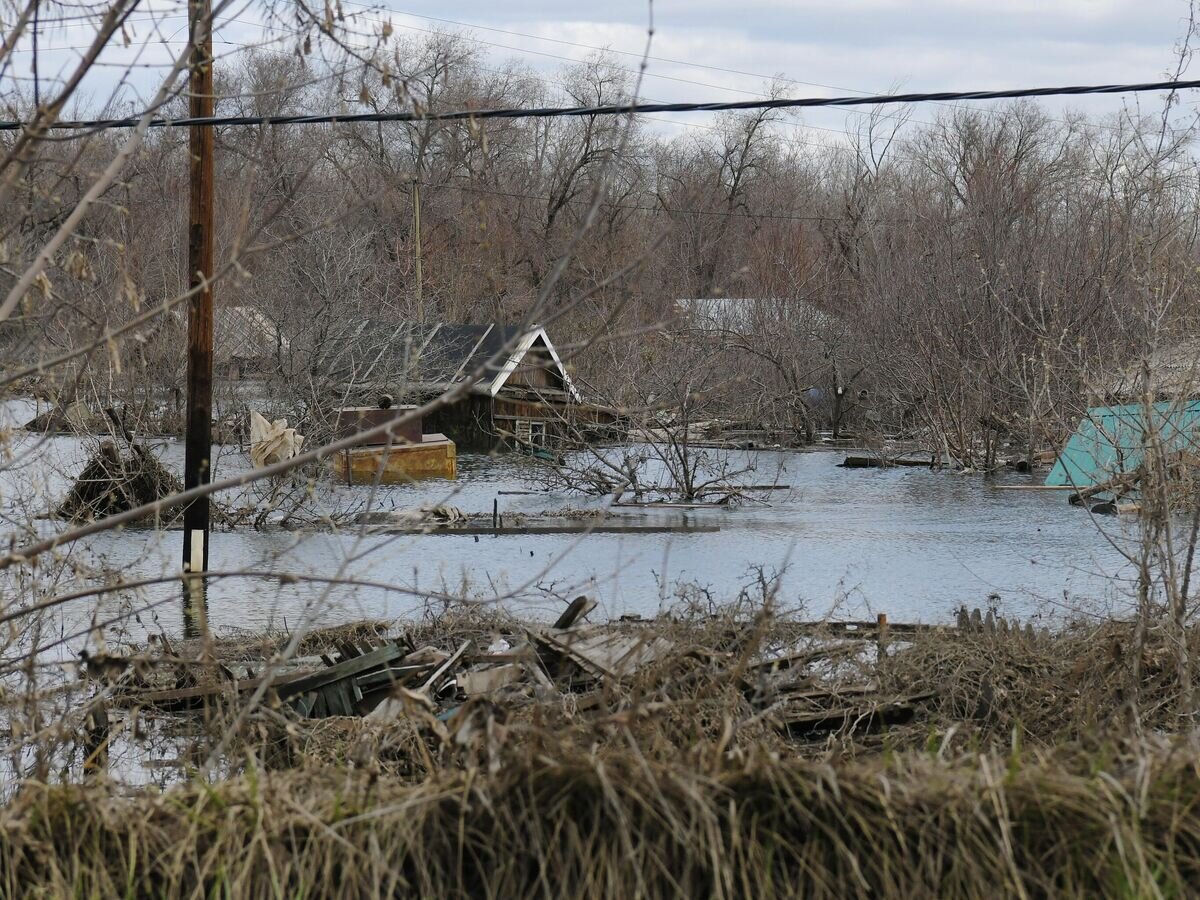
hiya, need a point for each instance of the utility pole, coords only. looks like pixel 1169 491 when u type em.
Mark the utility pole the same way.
pixel 198 447
pixel 416 186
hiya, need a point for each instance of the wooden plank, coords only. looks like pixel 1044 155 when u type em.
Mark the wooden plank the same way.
pixel 880 462
pixel 851 629
pixel 390 676
pixel 487 681
pixel 181 697
pixel 1119 486
pixel 1033 487
pixel 343 704
pixel 748 487
pixel 868 718
pixel 650 504
pixel 360 664
pixel 582 528
pixel 444 668
pixel 607 653
pixel 804 657
pixel 578 608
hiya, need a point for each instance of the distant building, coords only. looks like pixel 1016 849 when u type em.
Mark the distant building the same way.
pixel 246 343
pixel 748 315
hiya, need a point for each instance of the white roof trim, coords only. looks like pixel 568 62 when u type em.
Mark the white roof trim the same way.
pixel 517 355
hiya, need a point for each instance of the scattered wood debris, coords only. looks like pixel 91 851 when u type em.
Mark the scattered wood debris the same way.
pixel 600 664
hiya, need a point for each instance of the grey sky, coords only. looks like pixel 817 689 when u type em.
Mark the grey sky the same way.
pixel 852 45
pixel 870 44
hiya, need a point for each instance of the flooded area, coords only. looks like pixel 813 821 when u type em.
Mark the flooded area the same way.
pixel 912 543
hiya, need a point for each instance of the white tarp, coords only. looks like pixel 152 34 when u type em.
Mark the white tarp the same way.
pixel 272 442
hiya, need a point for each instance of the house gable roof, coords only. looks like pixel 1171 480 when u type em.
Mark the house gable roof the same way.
pixel 440 355
pixel 527 342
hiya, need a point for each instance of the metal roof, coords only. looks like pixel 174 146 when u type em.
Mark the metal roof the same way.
pixel 438 355
pixel 1111 440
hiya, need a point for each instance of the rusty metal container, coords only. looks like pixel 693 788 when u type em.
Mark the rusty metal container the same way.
pixel 353 419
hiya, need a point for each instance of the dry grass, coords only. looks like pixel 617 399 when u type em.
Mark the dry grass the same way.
pixel 1078 684
pixel 553 821
pixel 1022 776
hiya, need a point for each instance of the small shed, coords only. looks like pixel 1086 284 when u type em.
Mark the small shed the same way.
pixel 514 387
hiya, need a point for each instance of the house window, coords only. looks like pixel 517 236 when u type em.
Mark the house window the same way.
pixel 532 434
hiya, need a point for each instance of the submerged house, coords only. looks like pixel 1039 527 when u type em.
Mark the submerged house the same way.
pixel 1108 448
pixel 511 386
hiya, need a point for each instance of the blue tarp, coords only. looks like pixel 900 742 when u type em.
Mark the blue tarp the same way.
pixel 1111 440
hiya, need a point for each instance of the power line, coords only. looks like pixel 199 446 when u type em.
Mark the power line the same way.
pixel 284 34
pixel 791 128
pixel 614 109
pixel 596 47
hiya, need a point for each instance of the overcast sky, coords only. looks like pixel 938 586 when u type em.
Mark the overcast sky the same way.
pixel 839 47
pixel 823 47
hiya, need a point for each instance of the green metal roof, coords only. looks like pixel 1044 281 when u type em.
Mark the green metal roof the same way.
pixel 1111 440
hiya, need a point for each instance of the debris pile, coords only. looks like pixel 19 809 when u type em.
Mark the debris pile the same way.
pixel 681 753
pixel 112 482
pixel 822 678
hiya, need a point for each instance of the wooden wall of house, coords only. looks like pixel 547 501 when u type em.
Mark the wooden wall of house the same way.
pixel 537 369
pixel 479 424
pixel 467 422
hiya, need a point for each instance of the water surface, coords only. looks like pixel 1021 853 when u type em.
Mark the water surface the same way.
pixel 849 542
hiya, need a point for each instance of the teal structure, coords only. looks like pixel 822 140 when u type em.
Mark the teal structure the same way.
pixel 1111 440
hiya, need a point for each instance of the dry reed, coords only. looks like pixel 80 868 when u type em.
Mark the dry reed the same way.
pixel 559 822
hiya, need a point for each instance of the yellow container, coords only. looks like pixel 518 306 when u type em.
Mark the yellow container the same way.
pixel 434 457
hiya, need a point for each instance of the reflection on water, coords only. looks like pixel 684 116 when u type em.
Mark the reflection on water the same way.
pixel 912 543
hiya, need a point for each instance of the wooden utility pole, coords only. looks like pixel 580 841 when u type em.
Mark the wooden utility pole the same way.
pixel 198 447
pixel 416 186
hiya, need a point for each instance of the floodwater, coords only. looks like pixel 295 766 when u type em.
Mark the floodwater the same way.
pixel 911 543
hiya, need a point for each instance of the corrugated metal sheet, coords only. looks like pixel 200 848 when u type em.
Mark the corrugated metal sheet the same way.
pixel 1111 440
